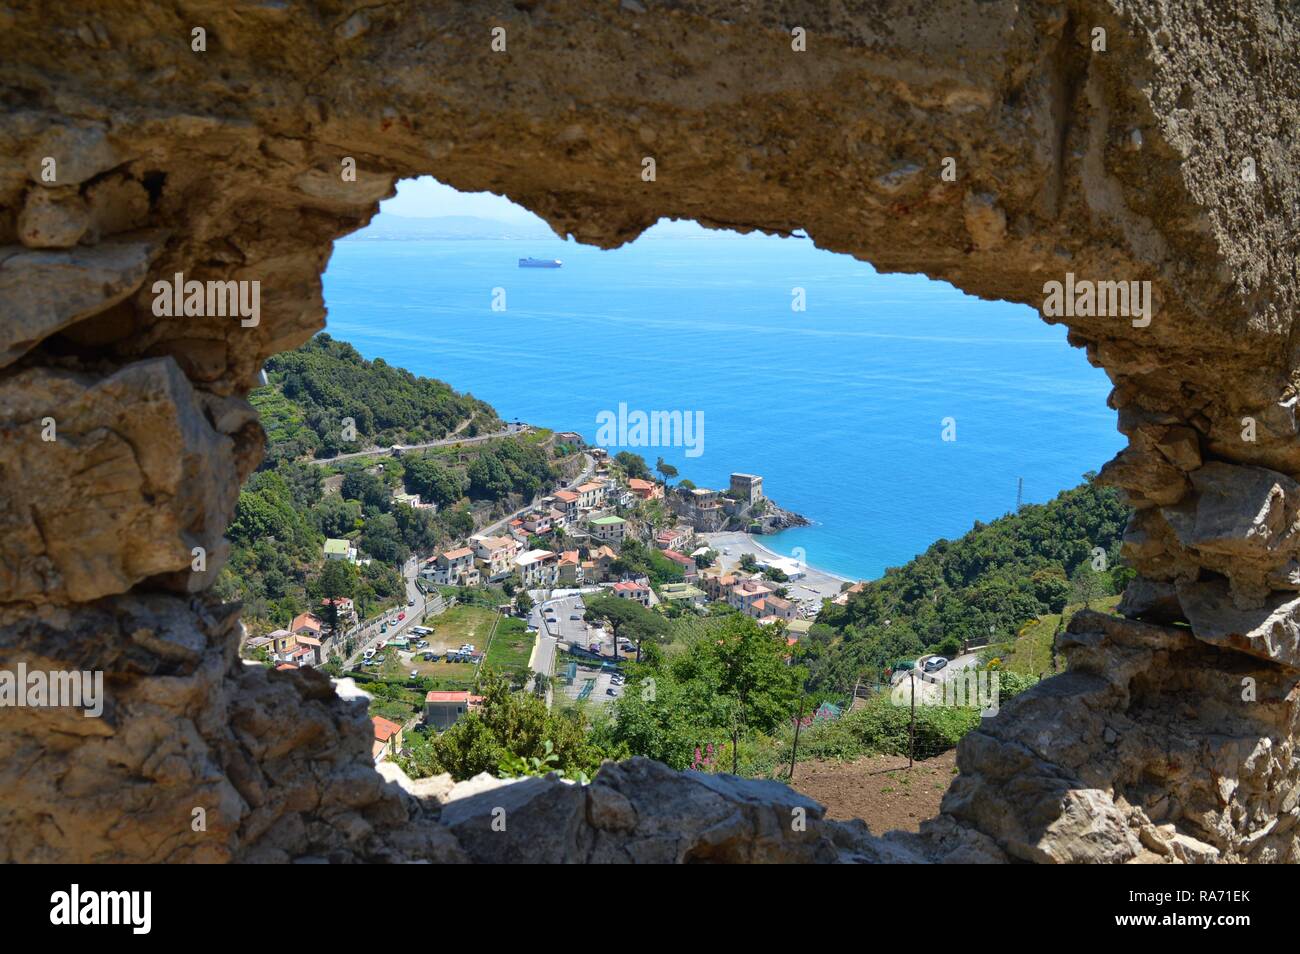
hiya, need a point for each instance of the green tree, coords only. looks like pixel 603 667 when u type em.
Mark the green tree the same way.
pixel 628 620
pixel 508 726
pixel 634 465
pixel 433 482
pixel 666 470
pixel 367 488
pixel 730 682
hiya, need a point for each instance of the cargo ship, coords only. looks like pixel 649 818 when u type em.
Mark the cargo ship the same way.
pixel 540 263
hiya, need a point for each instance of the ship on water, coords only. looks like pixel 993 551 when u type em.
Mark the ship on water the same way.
pixel 540 263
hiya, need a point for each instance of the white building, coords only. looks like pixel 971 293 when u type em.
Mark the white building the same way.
pixel 539 569
pixel 496 555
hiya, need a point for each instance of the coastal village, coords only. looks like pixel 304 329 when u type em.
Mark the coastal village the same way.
pixel 513 592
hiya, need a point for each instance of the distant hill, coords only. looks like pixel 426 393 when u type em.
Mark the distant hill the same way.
pixel 990 581
pixel 389 227
pixel 313 389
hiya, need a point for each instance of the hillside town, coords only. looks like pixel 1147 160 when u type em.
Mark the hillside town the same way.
pixel 520 584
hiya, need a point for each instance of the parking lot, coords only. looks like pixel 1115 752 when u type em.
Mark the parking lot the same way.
pixel 564 628
pixel 590 685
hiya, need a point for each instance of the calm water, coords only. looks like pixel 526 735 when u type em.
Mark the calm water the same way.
pixel 840 407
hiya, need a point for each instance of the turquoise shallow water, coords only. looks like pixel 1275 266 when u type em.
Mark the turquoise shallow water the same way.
pixel 840 407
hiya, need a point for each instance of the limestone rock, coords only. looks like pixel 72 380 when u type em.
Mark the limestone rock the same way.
pixel 53 219
pixel 986 221
pixel 79 152
pixel 43 292
pixel 1147 742
pixel 109 481
pixel 1270 632
pixel 117 203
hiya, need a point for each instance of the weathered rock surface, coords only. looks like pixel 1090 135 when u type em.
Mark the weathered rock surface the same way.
pixel 995 145
pixel 1152 738
pixel 108 481
pixel 45 292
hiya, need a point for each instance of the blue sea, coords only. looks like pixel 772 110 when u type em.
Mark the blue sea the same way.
pixel 841 408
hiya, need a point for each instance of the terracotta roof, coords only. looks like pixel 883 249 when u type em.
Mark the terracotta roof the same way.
pixel 305 619
pixel 458 553
pixel 568 496
pixel 385 729
pixel 637 483
pixel 461 696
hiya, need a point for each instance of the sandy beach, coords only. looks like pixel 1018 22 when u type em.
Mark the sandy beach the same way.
pixel 815 586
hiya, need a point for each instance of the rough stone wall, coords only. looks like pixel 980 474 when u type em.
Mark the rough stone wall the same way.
pixel 1126 164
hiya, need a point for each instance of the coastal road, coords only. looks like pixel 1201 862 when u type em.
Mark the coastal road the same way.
pixel 589 467
pixel 955 667
pixel 403 448
pixel 368 633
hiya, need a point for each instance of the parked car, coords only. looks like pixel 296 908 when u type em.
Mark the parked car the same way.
pixel 401 616
pixel 577 616
pixel 411 602
pixel 430 657
pixel 935 663
pixel 379 658
pixel 415 673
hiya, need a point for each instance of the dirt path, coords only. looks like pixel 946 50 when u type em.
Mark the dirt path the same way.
pixel 879 789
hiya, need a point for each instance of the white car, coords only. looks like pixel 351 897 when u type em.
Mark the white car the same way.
pixel 935 663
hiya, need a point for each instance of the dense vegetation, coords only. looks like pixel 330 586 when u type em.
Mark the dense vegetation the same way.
pixel 714 691
pixel 728 684
pixel 315 389
pixel 509 727
pixel 285 515
pixel 989 582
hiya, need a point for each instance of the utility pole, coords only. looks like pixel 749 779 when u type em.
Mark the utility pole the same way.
pixel 911 729
pixel 794 749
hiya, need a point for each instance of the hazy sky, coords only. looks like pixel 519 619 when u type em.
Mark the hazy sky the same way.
pixel 427 197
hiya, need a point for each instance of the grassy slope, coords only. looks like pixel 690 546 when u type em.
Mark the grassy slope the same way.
pixel 1031 653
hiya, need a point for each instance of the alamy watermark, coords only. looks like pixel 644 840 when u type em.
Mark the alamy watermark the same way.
pixel 75 906
pixel 970 688
pixel 36 688
pixel 651 429
pixel 179 298
pixel 1086 298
